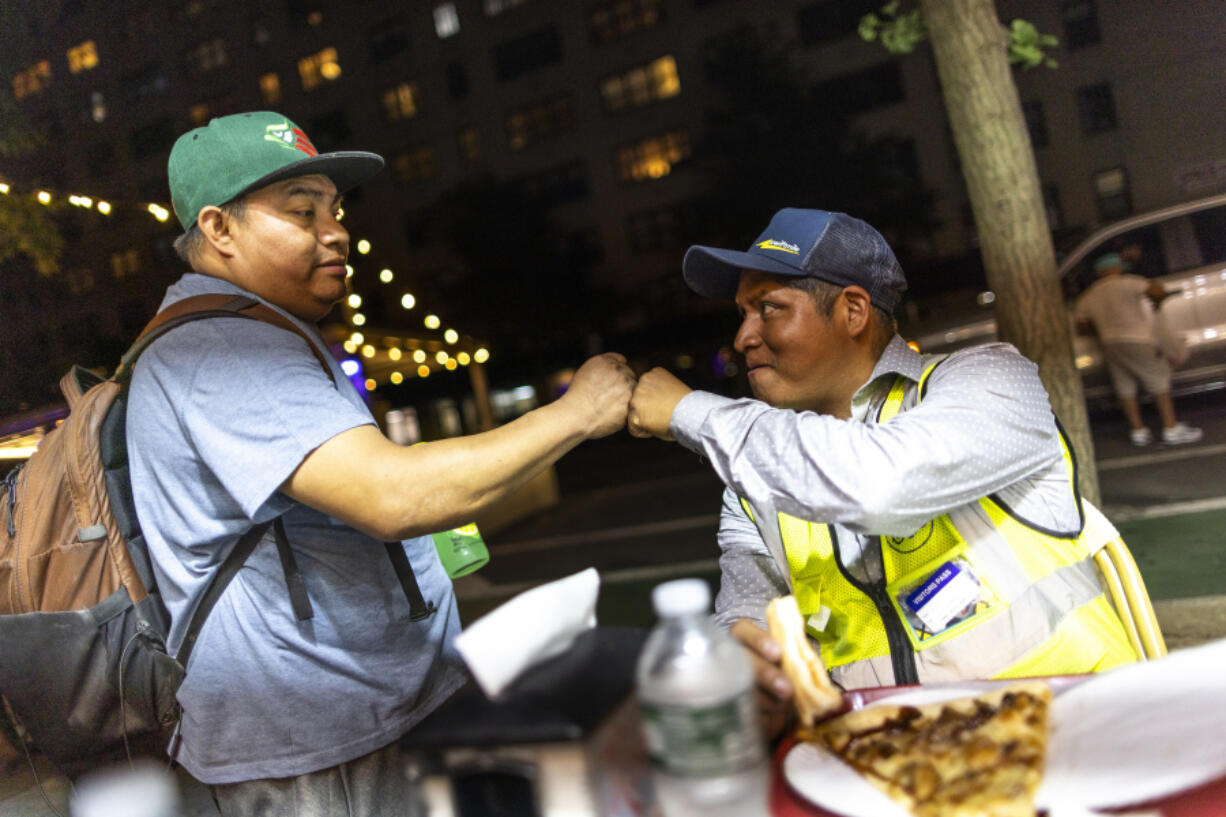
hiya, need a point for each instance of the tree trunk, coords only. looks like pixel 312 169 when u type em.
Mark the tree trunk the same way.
pixel 998 164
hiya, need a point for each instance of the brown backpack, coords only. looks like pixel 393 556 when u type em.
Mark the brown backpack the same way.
pixel 83 662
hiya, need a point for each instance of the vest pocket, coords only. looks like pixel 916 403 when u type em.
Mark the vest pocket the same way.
pixel 943 598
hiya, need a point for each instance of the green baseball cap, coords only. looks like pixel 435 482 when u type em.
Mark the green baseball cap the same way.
pixel 233 155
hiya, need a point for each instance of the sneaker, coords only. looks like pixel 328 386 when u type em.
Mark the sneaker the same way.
pixel 1180 433
pixel 1141 436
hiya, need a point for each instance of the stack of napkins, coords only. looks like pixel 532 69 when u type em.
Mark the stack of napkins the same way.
pixel 535 626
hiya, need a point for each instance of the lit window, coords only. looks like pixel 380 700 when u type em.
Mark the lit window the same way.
pixel 125 263
pixel 654 157
pixel 470 144
pixel 493 8
pixel 207 56
pixel 270 89
pixel 400 102
pixel 446 20
pixel 1112 193
pixel 97 106
pixel 415 164
pixel 646 83
pixel 319 68
pixel 614 19
pixel 82 57
pixel 540 121
pixel 200 114
pixel 32 80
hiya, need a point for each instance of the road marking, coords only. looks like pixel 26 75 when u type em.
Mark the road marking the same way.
pixel 1167 455
pixel 468 590
pixel 1129 514
pixel 710 520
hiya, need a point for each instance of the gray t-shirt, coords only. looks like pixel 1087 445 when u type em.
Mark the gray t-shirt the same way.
pixel 220 413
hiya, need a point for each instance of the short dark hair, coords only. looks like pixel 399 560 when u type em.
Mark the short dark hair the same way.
pixel 189 245
pixel 825 294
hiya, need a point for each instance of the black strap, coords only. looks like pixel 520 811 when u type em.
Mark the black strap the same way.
pixel 418 608
pixel 293 576
pixel 229 568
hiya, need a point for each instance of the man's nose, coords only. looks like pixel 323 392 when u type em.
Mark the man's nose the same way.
pixel 746 336
pixel 335 235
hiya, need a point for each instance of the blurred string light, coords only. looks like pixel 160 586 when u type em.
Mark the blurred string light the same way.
pixel 49 198
pixel 356 341
pixel 424 352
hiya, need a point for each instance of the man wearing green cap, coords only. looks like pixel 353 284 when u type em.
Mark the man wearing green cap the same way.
pixel 1118 308
pixel 922 509
pixel 233 423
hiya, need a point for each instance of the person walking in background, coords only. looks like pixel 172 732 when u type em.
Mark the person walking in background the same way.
pixel 1118 308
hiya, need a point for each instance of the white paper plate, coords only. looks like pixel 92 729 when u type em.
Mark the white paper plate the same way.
pixel 1139 733
pixel 1130 736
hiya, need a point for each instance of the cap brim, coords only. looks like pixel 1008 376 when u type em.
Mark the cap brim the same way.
pixel 716 273
pixel 346 169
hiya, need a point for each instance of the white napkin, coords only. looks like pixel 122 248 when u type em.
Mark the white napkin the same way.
pixel 530 628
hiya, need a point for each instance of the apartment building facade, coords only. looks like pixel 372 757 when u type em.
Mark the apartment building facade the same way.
pixel 598 107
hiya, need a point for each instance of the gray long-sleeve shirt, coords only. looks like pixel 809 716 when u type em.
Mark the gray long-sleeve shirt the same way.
pixel 985 426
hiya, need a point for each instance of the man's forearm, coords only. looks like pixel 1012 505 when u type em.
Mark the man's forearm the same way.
pixel 392 492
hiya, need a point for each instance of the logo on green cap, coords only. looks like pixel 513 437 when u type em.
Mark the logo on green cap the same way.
pixel 288 136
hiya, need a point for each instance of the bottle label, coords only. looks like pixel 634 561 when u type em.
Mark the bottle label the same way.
pixel 461 550
pixel 700 741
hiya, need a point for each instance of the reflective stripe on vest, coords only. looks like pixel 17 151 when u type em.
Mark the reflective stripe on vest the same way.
pixel 1039 610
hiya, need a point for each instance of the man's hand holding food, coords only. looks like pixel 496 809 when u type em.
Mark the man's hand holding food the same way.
pixel 651 407
pixel 774 691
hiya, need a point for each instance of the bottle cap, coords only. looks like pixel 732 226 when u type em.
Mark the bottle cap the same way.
pixel 142 790
pixel 682 597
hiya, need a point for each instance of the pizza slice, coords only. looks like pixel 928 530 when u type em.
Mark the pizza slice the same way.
pixel 979 756
pixel 816 694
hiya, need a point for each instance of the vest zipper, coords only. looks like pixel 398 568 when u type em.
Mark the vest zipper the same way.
pixel 902 654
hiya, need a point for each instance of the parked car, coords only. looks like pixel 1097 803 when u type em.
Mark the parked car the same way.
pixel 1182 246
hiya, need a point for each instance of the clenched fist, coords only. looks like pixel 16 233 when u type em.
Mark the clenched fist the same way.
pixel 651 408
pixel 600 392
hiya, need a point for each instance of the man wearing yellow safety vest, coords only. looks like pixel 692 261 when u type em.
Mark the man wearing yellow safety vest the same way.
pixel 923 509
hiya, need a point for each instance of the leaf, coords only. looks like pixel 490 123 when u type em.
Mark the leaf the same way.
pixel 867 29
pixel 1026 45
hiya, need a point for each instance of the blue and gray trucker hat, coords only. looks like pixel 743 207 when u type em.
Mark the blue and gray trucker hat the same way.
pixel 804 243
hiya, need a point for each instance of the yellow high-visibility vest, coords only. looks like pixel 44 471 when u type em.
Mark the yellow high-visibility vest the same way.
pixel 1039 608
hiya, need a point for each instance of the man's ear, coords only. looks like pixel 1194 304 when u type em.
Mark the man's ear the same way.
pixel 859 309
pixel 215 226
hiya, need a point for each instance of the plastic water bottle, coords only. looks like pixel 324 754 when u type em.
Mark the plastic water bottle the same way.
pixel 696 692
pixel 142 789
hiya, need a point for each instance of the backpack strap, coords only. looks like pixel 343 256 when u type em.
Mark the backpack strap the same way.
pixel 298 597
pixel 217 585
pixel 418 608
pixel 198 307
